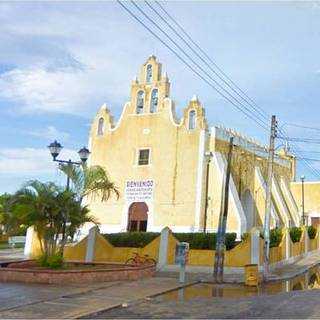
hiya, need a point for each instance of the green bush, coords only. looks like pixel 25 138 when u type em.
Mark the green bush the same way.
pixel 245 236
pixel 295 234
pixel 52 262
pixel 312 232
pixel 208 241
pixel 275 237
pixel 131 239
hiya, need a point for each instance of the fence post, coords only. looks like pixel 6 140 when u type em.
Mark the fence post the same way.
pixel 91 240
pixel 163 248
pixel 29 239
pixel 255 246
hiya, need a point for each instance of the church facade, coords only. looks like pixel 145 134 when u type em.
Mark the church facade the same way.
pixel 170 171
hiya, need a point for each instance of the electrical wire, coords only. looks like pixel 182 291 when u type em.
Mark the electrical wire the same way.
pixel 248 112
pixel 257 120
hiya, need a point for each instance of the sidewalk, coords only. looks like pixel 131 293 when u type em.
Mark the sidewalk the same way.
pixel 233 275
pixel 22 301
pixel 294 269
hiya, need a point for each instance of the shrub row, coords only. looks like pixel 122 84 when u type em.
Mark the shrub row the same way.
pixel 196 240
pixel 207 241
pixel 131 239
pixel 275 237
pixel 312 232
pixel 295 234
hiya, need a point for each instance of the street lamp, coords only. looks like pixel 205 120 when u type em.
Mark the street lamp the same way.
pixel 55 149
pixel 208 156
pixel 302 195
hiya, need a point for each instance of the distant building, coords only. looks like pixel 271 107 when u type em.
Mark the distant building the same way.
pixel 161 166
pixel 311 200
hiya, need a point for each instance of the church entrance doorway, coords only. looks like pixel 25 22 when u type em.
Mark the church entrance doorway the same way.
pixel 138 217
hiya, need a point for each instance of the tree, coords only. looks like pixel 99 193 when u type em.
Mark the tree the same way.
pixel 90 181
pixel 10 216
pixel 47 207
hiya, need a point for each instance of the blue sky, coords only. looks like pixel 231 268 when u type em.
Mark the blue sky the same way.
pixel 60 61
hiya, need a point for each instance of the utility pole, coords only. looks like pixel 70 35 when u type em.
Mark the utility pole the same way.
pixel 220 245
pixel 273 133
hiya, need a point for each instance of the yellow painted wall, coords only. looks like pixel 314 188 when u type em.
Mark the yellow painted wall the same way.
pixel 76 252
pixel 175 162
pixel 311 195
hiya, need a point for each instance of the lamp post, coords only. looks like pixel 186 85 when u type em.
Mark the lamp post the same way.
pixel 208 155
pixel 55 148
pixel 302 196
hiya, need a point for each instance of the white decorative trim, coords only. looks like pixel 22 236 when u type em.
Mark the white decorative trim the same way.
pixel 248 144
pixel 289 197
pixel 163 248
pixel 274 214
pixel 306 182
pixel 282 206
pixel 126 106
pixel 91 240
pixel 172 119
pixel 221 164
pixel 28 244
pixel 199 193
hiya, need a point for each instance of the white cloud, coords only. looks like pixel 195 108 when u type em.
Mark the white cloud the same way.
pixel 29 161
pixel 49 133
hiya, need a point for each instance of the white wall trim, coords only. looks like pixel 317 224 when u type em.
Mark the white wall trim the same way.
pixel 291 202
pixel 221 164
pixel 124 109
pixel 199 185
pixel 282 206
pixel 262 183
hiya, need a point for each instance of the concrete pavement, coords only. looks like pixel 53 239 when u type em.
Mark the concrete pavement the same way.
pixel 25 301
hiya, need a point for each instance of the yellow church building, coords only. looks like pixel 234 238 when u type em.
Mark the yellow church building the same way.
pixel 170 171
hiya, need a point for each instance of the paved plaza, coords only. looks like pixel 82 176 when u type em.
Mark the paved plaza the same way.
pixel 293 305
pixel 145 298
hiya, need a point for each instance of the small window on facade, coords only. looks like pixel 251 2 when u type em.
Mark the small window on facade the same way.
pixel 100 127
pixel 154 101
pixel 192 120
pixel 149 73
pixel 143 157
pixel 140 102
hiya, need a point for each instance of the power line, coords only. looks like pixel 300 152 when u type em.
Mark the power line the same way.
pixel 203 60
pixel 249 115
pixel 257 120
pixel 300 126
pixel 263 112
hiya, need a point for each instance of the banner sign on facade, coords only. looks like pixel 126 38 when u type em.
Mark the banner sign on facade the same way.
pixel 139 190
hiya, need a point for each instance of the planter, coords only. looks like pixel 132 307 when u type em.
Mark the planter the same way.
pixel 77 272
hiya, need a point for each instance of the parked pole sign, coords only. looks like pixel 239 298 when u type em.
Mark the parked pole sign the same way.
pixel 181 258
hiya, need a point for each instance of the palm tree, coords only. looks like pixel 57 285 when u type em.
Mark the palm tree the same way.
pixel 90 181
pixel 47 207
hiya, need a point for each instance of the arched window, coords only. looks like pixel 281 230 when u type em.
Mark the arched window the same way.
pixel 100 127
pixel 140 102
pixel 154 101
pixel 192 120
pixel 149 73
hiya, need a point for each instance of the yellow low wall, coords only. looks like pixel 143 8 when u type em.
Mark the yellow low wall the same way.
pixel 104 251
pixel 239 256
